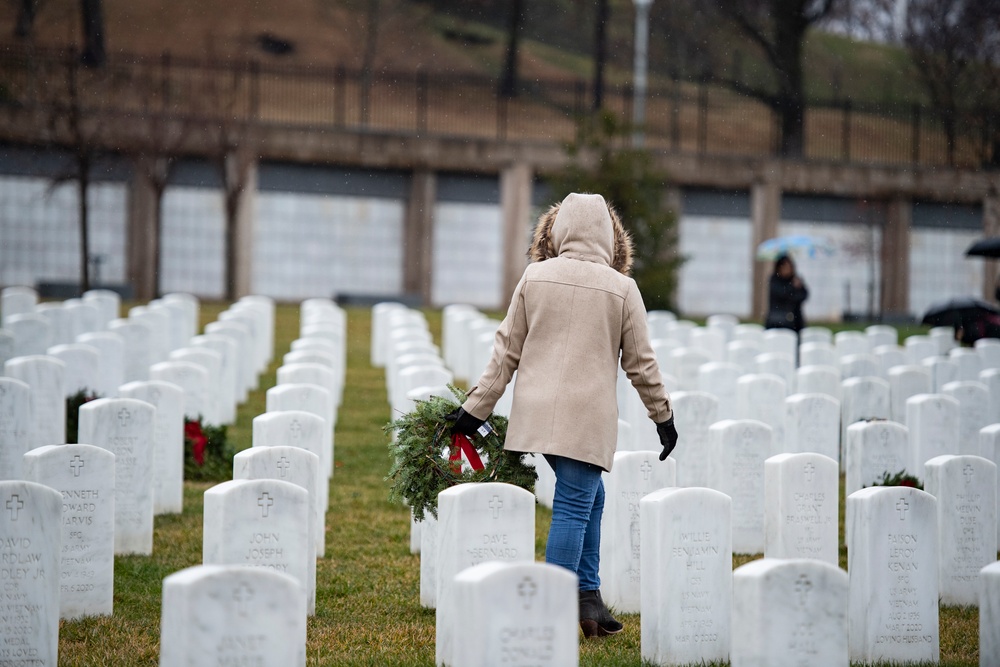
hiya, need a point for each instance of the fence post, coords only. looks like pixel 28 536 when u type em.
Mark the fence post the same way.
pixel 845 133
pixel 915 138
pixel 421 101
pixel 675 110
pixel 501 112
pixel 339 95
pixel 702 116
pixel 254 89
pixel 165 80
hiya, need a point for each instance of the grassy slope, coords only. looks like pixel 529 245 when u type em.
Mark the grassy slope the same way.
pixel 368 610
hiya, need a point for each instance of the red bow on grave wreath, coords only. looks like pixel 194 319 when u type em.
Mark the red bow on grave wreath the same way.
pixel 193 432
pixel 459 444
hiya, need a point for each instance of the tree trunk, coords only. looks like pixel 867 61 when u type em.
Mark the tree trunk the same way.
pixel 82 184
pixel 508 82
pixel 93 33
pixel 791 110
pixel 232 203
pixel 367 67
pixel 26 10
pixel 600 53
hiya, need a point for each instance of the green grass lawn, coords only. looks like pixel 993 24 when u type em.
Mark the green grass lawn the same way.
pixel 367 600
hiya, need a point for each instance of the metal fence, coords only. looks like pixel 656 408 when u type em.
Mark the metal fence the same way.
pixel 681 115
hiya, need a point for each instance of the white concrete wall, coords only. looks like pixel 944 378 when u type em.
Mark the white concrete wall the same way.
pixel 468 255
pixel 40 231
pixel 716 276
pixel 939 268
pixel 309 245
pixel 193 241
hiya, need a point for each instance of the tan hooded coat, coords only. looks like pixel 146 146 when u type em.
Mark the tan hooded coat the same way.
pixel 574 311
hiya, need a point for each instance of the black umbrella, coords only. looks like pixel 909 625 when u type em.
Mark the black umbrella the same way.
pixel 988 247
pixel 977 318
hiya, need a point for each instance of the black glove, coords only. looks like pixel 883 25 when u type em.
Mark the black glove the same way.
pixel 668 437
pixel 465 423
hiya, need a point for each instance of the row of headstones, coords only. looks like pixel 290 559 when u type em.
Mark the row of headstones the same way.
pixel 693 606
pixel 279 526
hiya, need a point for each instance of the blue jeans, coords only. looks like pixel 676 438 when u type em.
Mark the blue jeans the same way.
pixel 575 534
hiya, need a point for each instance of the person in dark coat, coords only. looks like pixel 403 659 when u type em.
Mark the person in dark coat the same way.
pixel 786 294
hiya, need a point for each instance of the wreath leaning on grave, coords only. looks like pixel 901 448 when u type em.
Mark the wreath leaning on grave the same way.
pixel 427 460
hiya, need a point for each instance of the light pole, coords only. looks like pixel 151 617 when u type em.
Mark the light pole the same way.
pixel 639 70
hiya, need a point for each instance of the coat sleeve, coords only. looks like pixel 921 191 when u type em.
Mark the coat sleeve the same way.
pixel 503 362
pixel 639 360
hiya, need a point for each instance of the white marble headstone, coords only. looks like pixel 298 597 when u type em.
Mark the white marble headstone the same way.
pixel 712 341
pixel 17 300
pixel 230 388
pixel 125 427
pixel 240 334
pixel 523 613
pixel 684 363
pixel 32 333
pixel 168 441
pixel 933 423
pixel 428 561
pixel 919 348
pixel 989 612
pixel 193 380
pixel 85 477
pixel 801 507
pixel 812 424
pixel 818 380
pixel 6 346
pixel 892 557
pixel 737 449
pixel 111 360
pixel 743 353
pixel 784 341
pixel 263 523
pixel 719 380
pixel 295 428
pixel 83 317
pixel 694 413
pixel 881 334
pixel 862 399
pixel 15 426
pixel 311 398
pixel 288 464
pixel 312 374
pixel 777 363
pixel 762 397
pixel 788 613
pixel 83 367
pixel 860 365
pixel 968 362
pixel 904 382
pixel 211 408
pixel 814 334
pixel 477 523
pixel 991 378
pixel 633 475
pixel 30 548
pixel 46 378
pixel 232 615
pixel 873 449
pixel 889 356
pixel 848 343
pixel 138 350
pixel 973 412
pixel 818 354
pixel 942 370
pixel 966 492
pixel 107 302
pixel 687 567
pixel 59 322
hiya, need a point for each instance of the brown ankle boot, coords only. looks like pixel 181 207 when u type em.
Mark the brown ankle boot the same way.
pixel 595 619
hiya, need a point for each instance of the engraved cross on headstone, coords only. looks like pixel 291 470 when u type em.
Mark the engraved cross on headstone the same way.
pixel 295 428
pixel 264 502
pixel 526 590
pixel 809 470
pixel 14 504
pixel 123 417
pixel 283 465
pixel 803 587
pixel 646 468
pixel 496 505
pixel 242 596
pixel 75 464
pixel 902 506
pixel 968 471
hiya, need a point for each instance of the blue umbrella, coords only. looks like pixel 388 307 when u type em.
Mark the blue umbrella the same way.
pixel 813 246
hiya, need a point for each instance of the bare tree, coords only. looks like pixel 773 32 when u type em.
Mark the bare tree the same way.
pixel 94 54
pixel 600 51
pixel 508 80
pixel 778 28
pixel 26 12
pixel 955 49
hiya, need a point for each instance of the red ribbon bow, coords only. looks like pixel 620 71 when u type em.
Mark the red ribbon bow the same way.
pixel 193 432
pixel 459 444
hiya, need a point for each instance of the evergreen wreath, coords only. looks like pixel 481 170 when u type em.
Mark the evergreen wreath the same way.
pixel 421 467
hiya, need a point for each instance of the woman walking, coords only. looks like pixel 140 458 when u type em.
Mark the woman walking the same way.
pixel 574 316
pixel 786 293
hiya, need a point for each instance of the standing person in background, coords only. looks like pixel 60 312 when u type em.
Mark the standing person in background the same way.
pixel 573 315
pixel 786 294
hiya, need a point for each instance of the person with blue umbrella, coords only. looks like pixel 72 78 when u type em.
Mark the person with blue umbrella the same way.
pixel 786 294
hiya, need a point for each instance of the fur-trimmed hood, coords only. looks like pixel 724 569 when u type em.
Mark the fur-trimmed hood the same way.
pixel 583 227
